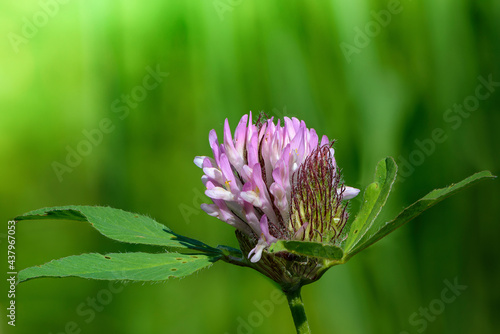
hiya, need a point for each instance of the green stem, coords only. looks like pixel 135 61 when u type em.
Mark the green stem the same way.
pixel 298 312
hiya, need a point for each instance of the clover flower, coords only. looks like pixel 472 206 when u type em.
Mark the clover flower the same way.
pixel 275 181
pixel 279 186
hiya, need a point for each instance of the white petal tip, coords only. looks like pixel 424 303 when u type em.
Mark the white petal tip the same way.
pixel 256 258
pixel 198 161
pixel 349 193
pixel 257 253
pixel 211 209
pixel 220 193
pixel 251 197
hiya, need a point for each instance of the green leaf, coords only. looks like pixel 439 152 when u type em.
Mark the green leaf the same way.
pixel 121 225
pixel 380 230
pixel 307 248
pixel 122 266
pixel 374 198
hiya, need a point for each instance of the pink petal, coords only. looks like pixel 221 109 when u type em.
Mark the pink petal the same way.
pixel 264 227
pixel 214 174
pixel 240 135
pixel 324 141
pixel 251 197
pixel 214 144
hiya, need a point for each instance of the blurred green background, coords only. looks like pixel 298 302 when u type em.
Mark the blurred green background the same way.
pixel 377 76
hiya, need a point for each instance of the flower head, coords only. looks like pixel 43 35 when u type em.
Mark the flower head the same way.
pixel 275 182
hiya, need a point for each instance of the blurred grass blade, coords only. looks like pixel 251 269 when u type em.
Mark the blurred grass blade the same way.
pixel 121 225
pixel 307 248
pixel 380 230
pixel 374 199
pixel 122 266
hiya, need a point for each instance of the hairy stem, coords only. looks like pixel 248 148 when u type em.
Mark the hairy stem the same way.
pixel 298 312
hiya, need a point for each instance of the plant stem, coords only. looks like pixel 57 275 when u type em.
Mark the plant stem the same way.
pixel 298 312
